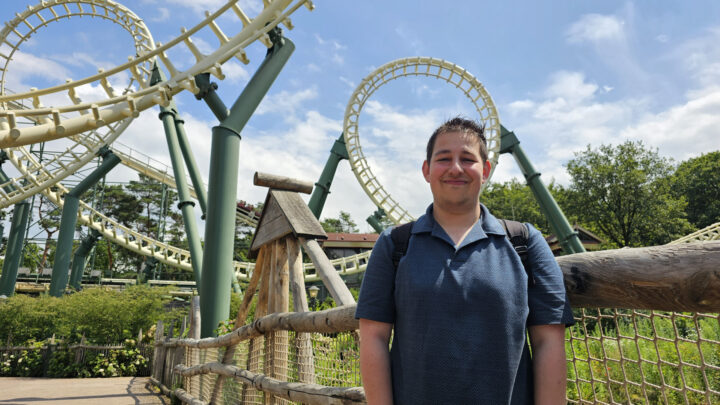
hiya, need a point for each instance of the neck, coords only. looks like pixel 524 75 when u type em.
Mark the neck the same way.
pixel 456 223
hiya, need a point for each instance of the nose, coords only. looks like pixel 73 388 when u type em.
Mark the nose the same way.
pixel 456 167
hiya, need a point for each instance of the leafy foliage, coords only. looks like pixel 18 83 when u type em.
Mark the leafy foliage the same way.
pixel 622 193
pixel 103 316
pixel 342 224
pixel 515 201
pixel 698 180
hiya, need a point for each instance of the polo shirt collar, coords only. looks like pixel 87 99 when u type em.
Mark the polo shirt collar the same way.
pixel 487 224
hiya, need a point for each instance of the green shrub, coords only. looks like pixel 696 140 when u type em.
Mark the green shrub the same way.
pixel 103 316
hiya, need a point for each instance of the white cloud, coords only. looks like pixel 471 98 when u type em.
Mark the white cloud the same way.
pixel 234 72
pixel 570 87
pixel 330 49
pixel 163 15
pixel 285 101
pixel 595 28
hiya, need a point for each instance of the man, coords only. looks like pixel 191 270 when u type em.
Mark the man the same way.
pixel 459 301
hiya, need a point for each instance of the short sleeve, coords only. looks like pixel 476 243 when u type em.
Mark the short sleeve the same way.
pixel 547 298
pixel 376 301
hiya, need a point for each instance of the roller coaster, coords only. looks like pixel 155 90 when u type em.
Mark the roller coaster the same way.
pixel 149 79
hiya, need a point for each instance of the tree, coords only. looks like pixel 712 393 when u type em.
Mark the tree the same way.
pixel 698 180
pixel 343 224
pixel 623 194
pixel 515 201
pixel 49 220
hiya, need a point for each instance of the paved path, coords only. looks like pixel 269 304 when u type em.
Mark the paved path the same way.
pixel 84 391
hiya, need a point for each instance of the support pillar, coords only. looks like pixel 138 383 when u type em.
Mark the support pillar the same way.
pixel 222 189
pixel 338 152
pixel 68 221
pixel 80 256
pixel 559 224
pixel 375 218
pixel 16 239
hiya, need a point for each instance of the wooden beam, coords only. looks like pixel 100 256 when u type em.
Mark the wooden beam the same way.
pixel 282 183
pixel 303 342
pixel 339 291
pixel 339 319
pixel 296 392
pixel 682 277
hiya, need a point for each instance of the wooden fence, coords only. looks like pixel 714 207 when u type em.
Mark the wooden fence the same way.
pixel 664 349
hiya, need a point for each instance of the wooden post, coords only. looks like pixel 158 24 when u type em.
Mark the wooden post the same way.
pixel 339 291
pixel 682 277
pixel 249 394
pixel 303 343
pixel 282 183
pixel 280 301
pixel 240 319
pixel 159 356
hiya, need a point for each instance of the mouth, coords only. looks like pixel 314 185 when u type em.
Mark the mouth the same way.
pixel 455 182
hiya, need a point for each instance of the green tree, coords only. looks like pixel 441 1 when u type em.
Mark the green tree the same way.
pixel 698 180
pixel 514 200
pixel 623 194
pixel 342 224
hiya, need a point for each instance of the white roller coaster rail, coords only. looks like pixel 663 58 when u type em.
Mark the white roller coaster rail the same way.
pixel 83 147
pixel 708 233
pixel 53 123
pixel 97 113
pixel 415 66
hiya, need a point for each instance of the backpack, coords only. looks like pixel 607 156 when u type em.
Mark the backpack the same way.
pixel 516 231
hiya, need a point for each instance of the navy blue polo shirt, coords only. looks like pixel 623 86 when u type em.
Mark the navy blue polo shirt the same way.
pixel 460 313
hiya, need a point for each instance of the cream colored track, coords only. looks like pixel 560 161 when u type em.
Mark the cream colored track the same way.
pixel 150 167
pixel 416 66
pixel 708 233
pixel 96 113
pixel 83 147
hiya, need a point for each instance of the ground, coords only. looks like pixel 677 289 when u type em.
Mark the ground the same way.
pixel 106 391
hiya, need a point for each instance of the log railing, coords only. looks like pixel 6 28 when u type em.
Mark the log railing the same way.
pixel 664 348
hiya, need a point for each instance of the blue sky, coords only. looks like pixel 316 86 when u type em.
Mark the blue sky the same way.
pixel 563 75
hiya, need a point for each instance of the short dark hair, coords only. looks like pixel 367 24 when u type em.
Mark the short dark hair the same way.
pixel 459 124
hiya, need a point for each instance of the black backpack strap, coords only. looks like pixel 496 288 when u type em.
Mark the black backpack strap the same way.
pixel 400 236
pixel 518 234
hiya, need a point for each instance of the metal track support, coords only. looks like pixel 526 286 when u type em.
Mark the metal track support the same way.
pixel 222 188
pixel 16 239
pixel 338 152
pixel 559 224
pixel 68 221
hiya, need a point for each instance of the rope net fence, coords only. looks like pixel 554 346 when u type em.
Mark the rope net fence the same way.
pixel 623 356
pixel 335 359
pixel 615 356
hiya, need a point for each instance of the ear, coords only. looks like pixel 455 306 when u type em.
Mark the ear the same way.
pixel 426 171
pixel 486 170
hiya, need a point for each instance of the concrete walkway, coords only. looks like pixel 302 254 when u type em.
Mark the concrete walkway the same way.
pixel 103 391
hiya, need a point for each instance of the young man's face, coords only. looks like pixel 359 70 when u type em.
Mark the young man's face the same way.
pixel 456 171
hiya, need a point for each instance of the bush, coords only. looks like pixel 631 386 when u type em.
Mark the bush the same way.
pixel 103 316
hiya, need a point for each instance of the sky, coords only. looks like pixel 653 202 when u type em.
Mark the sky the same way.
pixel 563 75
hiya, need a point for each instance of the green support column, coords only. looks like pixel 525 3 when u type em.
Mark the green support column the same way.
pixel 222 189
pixel 209 95
pixel 192 167
pixel 80 256
pixel 338 152
pixel 16 239
pixel 170 120
pixel 567 237
pixel 68 220
pixel 185 203
pixel 374 220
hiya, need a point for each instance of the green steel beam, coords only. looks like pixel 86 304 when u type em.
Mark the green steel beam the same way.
pixel 338 152
pixel 171 123
pixel 222 188
pixel 374 220
pixel 192 166
pixel 80 257
pixel 16 239
pixel 185 203
pixel 209 95
pixel 567 237
pixel 68 221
